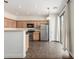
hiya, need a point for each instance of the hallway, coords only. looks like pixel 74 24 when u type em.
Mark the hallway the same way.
pixel 40 49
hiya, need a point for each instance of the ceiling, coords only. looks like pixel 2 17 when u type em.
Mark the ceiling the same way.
pixel 34 7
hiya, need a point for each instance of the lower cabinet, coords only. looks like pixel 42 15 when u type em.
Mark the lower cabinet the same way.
pixel 36 35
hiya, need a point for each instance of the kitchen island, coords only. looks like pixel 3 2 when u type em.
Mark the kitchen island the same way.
pixel 16 42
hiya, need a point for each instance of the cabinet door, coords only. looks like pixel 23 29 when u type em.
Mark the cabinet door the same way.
pixel 36 36
pixel 8 23
pixel 24 24
pixel 20 24
pixel 13 24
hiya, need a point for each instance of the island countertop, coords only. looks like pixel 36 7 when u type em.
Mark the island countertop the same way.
pixel 15 29
pixel 20 29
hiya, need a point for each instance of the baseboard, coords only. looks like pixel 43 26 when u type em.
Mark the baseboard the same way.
pixel 71 54
pixel 55 41
pixel 44 40
pixel 19 55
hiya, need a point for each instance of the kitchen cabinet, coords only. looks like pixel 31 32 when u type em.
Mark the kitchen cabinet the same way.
pixel 6 24
pixel 21 24
pixel 9 23
pixel 36 35
pixel 13 24
pixel 37 23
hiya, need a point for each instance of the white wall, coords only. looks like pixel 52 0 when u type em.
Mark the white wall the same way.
pixel 71 13
pixel 66 30
pixel 69 20
pixel 9 15
pixel 69 27
pixel 52 27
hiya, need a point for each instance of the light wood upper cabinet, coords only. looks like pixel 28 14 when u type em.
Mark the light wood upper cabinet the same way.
pixel 6 24
pixel 9 23
pixel 21 24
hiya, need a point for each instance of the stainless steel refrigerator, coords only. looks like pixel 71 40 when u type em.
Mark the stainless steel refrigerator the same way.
pixel 44 32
